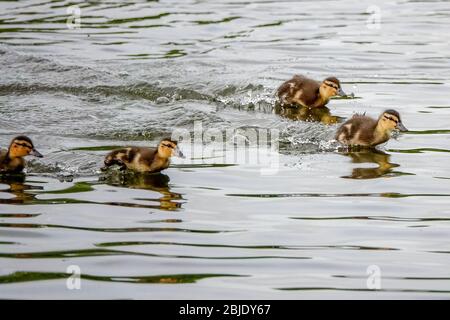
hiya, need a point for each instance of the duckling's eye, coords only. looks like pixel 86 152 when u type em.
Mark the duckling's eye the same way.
pixel 168 146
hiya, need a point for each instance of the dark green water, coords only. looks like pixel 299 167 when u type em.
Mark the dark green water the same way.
pixel 214 225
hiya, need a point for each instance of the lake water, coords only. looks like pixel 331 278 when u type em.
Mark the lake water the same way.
pixel 301 221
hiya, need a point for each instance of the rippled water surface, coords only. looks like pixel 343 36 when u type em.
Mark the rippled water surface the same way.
pixel 215 225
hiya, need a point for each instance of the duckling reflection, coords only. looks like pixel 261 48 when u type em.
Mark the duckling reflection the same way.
pixel 18 188
pixel 322 114
pixel 378 157
pixel 157 182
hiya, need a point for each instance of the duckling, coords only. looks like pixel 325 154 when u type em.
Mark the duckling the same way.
pixel 367 132
pixel 310 93
pixel 142 159
pixel 11 160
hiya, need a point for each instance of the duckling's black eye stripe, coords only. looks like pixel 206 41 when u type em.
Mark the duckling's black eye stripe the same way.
pixel 22 145
pixel 331 85
pixel 168 146
pixel 392 119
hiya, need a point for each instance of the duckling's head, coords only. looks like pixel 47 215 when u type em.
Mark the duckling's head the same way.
pixel 169 148
pixel 22 146
pixel 331 87
pixel 390 120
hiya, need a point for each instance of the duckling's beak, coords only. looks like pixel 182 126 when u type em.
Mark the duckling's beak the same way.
pixel 177 152
pixel 341 93
pixel 36 153
pixel 401 127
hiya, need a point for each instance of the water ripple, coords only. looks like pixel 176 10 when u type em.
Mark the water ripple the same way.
pixel 112 230
pixel 24 276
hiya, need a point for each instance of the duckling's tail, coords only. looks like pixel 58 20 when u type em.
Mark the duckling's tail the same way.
pixel 112 159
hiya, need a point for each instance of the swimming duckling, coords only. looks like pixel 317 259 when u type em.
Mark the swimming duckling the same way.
pixel 367 132
pixel 11 160
pixel 309 93
pixel 142 159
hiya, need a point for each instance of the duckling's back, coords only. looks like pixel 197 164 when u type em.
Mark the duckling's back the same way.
pixel 358 130
pixel 137 158
pixel 299 89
